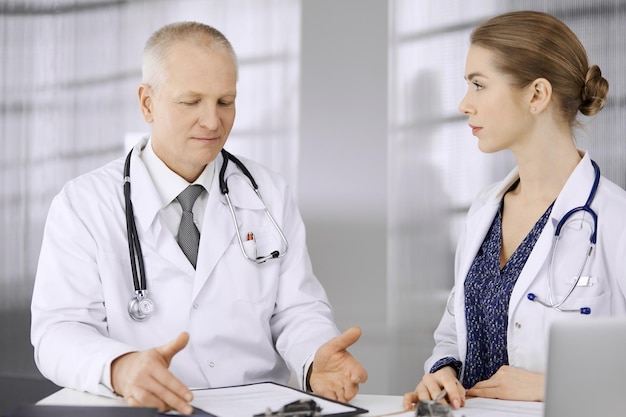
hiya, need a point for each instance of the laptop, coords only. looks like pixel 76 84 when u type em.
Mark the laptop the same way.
pixel 586 373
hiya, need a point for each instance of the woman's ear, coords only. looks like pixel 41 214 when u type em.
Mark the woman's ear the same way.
pixel 145 102
pixel 540 95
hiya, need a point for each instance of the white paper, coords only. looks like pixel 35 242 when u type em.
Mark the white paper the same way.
pixel 487 407
pixel 247 400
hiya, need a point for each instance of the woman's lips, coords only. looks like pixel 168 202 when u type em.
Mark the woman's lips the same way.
pixel 475 129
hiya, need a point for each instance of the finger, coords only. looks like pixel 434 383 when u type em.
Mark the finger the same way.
pixel 455 395
pixel 409 400
pixel 174 400
pixel 423 394
pixel 143 398
pixel 341 396
pixel 346 339
pixel 331 395
pixel 481 391
pixel 327 392
pixel 172 348
pixel 480 388
pixel 168 388
pixel 358 374
pixel 429 389
pixel 350 391
pixel 167 382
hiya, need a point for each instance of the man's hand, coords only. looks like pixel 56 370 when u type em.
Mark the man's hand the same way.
pixel 335 374
pixel 510 383
pixel 143 378
pixel 432 384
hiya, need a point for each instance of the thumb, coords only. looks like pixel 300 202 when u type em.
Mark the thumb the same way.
pixel 346 339
pixel 172 348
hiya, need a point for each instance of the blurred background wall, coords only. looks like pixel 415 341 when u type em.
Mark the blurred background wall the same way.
pixel 353 101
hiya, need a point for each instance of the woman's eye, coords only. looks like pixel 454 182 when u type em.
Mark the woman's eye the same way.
pixel 477 86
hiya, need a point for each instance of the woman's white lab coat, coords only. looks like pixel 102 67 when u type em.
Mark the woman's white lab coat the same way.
pixel 242 317
pixel 529 322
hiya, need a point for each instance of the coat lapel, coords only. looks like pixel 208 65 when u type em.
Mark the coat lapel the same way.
pixel 218 231
pixel 479 221
pixel 573 194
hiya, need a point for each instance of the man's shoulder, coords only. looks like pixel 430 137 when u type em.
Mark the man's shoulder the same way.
pixel 97 180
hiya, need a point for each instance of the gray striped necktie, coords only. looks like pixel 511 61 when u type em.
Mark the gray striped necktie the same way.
pixel 188 234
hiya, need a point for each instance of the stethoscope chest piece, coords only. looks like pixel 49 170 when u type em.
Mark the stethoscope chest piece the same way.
pixel 140 307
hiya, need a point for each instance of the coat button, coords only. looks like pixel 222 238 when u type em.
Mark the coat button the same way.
pixel 518 325
pixel 211 365
pixel 195 306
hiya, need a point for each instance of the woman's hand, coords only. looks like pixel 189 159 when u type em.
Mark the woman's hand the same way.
pixel 510 383
pixel 433 384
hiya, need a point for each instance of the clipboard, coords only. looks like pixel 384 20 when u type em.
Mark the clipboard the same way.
pixel 250 399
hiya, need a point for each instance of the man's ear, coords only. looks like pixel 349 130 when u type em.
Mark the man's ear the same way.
pixel 540 92
pixel 145 102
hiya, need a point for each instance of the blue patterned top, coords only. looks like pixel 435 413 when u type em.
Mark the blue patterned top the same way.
pixel 487 293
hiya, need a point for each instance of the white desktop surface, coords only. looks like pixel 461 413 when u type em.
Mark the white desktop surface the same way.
pixel 378 405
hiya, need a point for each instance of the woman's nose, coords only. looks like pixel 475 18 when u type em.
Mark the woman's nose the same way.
pixel 465 107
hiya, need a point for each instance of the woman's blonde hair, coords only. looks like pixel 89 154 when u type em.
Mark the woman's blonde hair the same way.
pixel 529 45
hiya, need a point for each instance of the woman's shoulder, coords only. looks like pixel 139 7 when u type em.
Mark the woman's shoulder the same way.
pixel 611 196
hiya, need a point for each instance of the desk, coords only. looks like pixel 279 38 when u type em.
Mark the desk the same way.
pixel 378 405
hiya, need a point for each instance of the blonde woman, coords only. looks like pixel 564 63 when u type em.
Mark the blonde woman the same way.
pixel 528 77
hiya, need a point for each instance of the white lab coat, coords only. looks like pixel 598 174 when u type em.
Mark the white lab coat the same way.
pixel 529 322
pixel 243 318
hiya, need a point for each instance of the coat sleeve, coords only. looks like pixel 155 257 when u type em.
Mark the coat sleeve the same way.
pixel 69 327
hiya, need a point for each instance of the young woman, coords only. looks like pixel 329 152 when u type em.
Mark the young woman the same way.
pixel 528 77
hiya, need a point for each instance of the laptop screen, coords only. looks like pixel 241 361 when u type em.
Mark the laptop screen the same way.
pixel 586 374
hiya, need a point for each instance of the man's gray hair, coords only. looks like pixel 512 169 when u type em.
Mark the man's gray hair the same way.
pixel 160 43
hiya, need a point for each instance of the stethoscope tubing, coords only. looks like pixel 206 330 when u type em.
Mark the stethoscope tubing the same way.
pixel 557 234
pixel 140 306
pixel 586 208
pixel 225 191
pixel 134 247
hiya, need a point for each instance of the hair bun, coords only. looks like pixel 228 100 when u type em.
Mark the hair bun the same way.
pixel 595 91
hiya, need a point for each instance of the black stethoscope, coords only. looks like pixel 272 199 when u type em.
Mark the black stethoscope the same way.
pixel 140 307
pixel 592 243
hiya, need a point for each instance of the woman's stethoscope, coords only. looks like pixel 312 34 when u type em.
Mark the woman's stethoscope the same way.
pixel 140 307
pixel 557 234
pixel 592 243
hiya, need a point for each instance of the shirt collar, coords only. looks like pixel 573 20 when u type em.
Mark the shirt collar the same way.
pixel 168 183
